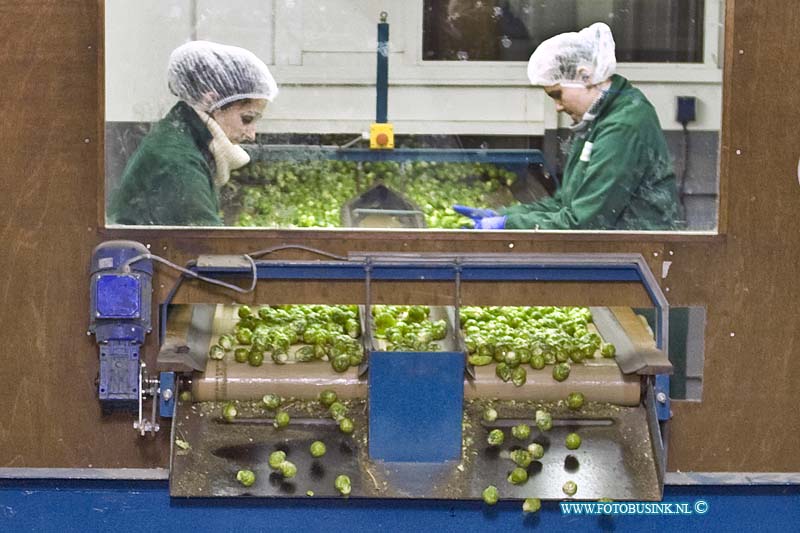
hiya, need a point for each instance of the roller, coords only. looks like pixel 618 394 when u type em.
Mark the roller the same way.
pixel 599 382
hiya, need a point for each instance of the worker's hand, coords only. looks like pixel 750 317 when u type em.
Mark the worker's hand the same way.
pixel 491 223
pixel 475 213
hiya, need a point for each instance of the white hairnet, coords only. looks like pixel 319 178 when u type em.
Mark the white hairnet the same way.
pixel 557 60
pixel 210 75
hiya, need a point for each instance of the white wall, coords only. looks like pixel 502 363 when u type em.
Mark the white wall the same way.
pixel 322 54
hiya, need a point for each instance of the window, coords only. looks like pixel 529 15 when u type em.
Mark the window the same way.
pixel 648 31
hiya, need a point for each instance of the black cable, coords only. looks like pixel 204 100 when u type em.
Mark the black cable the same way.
pixel 266 251
pixel 685 171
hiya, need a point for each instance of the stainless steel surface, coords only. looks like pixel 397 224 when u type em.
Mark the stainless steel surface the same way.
pixel 634 354
pixel 188 337
pixel 614 461
pixel 157 474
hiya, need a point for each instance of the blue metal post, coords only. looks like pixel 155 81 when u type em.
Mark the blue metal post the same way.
pixel 382 83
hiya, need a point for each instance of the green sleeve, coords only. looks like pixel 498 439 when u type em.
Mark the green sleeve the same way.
pixel 607 182
pixel 548 203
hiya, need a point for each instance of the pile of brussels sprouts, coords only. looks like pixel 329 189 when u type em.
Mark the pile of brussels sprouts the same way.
pixel 311 193
pixel 278 460
pixel 327 332
pixel 513 337
pixel 523 456
pixel 408 328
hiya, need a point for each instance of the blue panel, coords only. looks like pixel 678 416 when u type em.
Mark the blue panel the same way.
pixel 81 506
pixel 119 374
pixel 166 407
pixel 411 272
pixel 118 296
pixel 415 406
pixel 400 155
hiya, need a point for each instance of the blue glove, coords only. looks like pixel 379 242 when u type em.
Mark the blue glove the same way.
pixel 475 213
pixel 491 223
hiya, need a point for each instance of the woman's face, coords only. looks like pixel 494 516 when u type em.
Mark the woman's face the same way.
pixel 238 120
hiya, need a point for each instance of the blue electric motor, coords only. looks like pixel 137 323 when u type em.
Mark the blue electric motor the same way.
pixel 120 319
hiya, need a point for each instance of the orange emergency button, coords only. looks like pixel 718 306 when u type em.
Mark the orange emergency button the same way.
pixel 381 136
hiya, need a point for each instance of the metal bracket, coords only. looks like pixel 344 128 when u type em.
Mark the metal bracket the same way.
pixel 147 387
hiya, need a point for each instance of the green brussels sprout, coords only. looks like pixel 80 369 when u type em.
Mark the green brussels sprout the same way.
pixel 480 360
pixel 575 400
pixel 244 311
pixel 489 415
pixel 536 450
pixel 519 376
pixel 272 401
pixel 352 328
pixel 570 488
pixel 327 397
pixel 573 441
pixel 608 351
pixel 490 495
pixel 341 363
pixel 229 412
pixel 524 355
pixel 216 352
pixel 356 356
pixel 246 477
pixel 346 425
pixel 496 437
pixel 521 431
pixel 522 458
pixel 518 476
pixel 279 357
pixel 511 358
pixel 317 448
pixel 244 336
pixel 537 361
pixel 260 342
pixel 276 458
pixel 561 371
pixel 185 396
pixel 241 355
pixel 384 321
pixel 255 358
pixel 544 420
pixel 226 341
pixel 281 419
pixel 342 484
pixel 577 355
pixel 417 313
pixel 337 411
pixel 439 330
pixel 531 505
pixel 503 371
pixel 288 469
pixel 305 354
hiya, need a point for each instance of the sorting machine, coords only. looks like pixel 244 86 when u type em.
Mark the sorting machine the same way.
pixel 419 430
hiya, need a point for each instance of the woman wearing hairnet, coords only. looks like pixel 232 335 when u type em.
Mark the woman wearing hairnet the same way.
pixel 173 177
pixel 618 173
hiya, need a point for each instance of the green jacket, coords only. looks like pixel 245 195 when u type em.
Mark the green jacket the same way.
pixel 618 173
pixel 168 181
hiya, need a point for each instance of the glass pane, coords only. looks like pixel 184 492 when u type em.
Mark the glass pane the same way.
pixel 510 30
pixel 470 132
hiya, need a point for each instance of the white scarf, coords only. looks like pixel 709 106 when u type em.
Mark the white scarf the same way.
pixel 227 156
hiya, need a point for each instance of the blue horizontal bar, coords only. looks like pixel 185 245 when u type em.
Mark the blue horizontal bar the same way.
pixel 399 155
pixel 412 272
